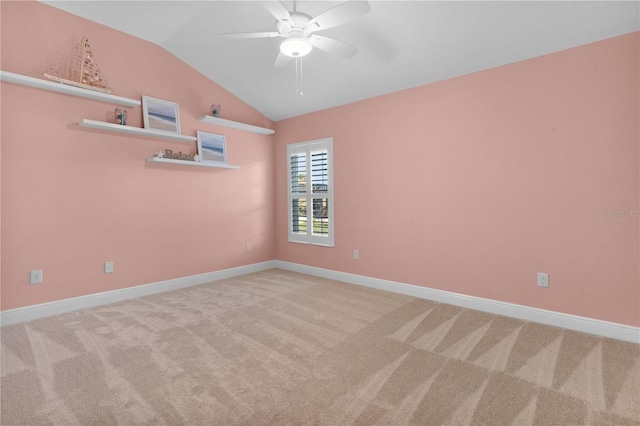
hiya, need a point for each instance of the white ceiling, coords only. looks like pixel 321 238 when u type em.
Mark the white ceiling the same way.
pixel 402 44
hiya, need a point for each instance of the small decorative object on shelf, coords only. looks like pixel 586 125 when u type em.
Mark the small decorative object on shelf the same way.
pixel 79 68
pixel 168 153
pixel 121 116
pixel 215 111
pixel 159 154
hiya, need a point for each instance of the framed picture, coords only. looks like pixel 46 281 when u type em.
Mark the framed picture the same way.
pixel 160 115
pixel 211 147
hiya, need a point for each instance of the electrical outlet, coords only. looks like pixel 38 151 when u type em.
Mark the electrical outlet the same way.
pixel 356 254
pixel 543 279
pixel 108 267
pixel 35 276
pixel 248 247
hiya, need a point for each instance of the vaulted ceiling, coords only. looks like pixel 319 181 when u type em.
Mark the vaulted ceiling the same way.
pixel 402 44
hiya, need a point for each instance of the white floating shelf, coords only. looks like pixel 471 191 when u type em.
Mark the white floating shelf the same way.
pixel 191 163
pixel 137 131
pixel 66 89
pixel 235 125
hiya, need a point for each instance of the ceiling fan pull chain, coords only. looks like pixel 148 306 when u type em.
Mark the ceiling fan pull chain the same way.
pixel 299 76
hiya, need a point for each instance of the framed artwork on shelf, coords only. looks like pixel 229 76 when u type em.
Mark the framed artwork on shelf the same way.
pixel 211 147
pixel 160 115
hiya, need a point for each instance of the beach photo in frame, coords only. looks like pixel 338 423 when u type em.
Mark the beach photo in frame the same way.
pixel 159 114
pixel 211 147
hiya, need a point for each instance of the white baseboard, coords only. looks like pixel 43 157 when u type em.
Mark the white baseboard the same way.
pixel 58 307
pixel 557 319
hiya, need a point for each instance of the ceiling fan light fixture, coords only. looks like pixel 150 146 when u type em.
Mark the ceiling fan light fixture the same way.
pixel 295 47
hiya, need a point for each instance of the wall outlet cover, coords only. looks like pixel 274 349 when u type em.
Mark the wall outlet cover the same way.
pixel 543 279
pixel 35 276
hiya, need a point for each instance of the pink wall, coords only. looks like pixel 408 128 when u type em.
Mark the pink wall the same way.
pixel 73 199
pixel 475 184
pixel 471 185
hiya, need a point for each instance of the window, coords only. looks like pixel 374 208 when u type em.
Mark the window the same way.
pixel 310 198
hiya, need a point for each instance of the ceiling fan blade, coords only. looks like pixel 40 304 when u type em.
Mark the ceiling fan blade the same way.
pixel 250 35
pixel 282 60
pixel 331 45
pixel 278 10
pixel 340 14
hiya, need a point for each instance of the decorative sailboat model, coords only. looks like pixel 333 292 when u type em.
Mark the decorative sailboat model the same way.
pixel 80 70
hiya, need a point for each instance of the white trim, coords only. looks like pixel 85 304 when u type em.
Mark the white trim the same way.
pixel 572 322
pixel 28 313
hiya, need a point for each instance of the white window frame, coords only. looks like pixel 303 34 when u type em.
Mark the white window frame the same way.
pixel 309 195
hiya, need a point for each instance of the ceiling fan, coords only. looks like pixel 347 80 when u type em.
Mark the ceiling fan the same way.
pixel 298 29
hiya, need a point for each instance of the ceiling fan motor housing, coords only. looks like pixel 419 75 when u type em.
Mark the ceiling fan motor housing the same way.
pixel 298 25
pixel 297 32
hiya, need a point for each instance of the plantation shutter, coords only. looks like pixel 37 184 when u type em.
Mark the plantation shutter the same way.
pixel 298 185
pixel 310 192
pixel 320 186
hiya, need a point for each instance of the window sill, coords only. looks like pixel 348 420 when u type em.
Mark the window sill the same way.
pixel 312 243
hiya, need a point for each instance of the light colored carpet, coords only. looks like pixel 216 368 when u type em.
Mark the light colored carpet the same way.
pixel 281 348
